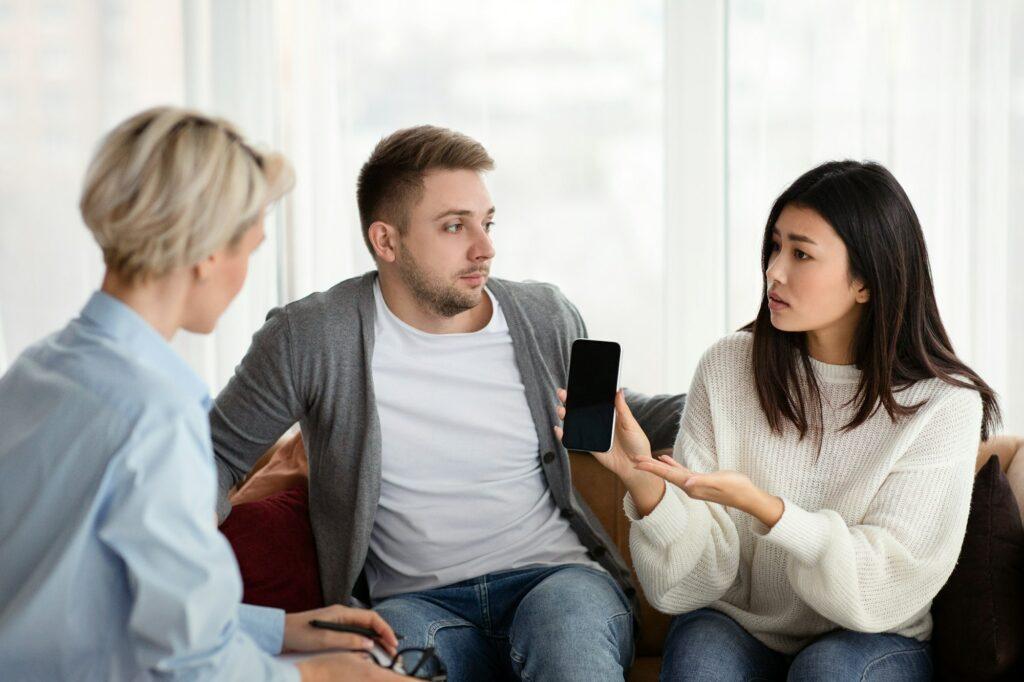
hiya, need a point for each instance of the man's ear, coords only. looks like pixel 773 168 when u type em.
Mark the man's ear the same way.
pixel 384 240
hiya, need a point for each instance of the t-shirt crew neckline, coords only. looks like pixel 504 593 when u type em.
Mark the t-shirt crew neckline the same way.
pixel 493 325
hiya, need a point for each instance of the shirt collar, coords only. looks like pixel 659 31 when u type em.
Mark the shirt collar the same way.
pixel 125 326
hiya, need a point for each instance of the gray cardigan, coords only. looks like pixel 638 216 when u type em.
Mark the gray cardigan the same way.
pixel 310 362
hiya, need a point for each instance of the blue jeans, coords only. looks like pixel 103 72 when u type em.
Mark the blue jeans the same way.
pixel 563 623
pixel 709 645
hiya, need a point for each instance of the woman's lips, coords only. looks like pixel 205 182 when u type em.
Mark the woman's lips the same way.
pixel 775 303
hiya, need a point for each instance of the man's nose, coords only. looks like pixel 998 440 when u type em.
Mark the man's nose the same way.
pixel 483 246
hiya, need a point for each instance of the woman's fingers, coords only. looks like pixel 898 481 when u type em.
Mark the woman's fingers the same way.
pixel 345 640
pixel 560 411
pixel 670 474
pixel 703 487
pixel 624 417
pixel 655 467
pixel 669 460
pixel 374 621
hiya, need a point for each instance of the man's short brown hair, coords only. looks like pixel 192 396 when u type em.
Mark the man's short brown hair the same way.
pixel 391 181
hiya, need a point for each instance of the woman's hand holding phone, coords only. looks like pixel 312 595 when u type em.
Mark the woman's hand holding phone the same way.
pixel 644 476
pixel 630 446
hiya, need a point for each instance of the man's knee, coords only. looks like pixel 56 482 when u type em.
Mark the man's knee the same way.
pixel 575 615
pixel 575 594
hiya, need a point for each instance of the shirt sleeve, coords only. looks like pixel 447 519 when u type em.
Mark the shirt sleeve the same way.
pixel 875 575
pixel 264 624
pixel 184 621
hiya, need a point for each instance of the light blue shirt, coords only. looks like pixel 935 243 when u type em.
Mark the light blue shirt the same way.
pixel 111 565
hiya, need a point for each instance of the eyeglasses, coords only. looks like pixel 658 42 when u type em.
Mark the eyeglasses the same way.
pixel 422 664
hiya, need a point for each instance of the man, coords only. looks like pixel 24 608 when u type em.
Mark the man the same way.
pixel 426 395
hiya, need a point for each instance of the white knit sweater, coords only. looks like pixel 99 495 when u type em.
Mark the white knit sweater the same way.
pixel 872 525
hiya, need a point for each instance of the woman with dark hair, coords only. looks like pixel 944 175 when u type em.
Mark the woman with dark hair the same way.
pixel 818 492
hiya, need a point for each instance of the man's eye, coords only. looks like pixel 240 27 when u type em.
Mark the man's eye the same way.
pixel 489 225
pixel 453 228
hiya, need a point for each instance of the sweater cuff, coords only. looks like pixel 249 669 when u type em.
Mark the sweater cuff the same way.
pixel 803 534
pixel 667 522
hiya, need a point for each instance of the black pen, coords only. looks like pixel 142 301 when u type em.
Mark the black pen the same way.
pixel 343 627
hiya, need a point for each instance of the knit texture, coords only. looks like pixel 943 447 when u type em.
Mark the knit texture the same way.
pixel 874 517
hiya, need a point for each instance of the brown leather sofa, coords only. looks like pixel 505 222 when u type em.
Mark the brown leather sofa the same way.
pixel 603 492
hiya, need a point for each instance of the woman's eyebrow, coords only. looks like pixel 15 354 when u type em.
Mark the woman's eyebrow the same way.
pixel 793 237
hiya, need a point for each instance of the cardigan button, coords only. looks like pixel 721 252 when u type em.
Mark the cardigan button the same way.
pixel 597 552
pixel 549 457
pixel 568 513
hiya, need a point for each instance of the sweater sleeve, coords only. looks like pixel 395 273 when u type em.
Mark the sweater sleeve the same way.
pixel 259 403
pixel 686 552
pixel 881 572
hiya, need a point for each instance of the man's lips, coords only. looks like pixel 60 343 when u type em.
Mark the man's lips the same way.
pixel 474 278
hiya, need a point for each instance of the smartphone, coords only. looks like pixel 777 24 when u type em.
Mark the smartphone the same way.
pixel 589 423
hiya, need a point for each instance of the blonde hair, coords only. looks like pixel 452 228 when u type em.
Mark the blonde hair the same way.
pixel 170 186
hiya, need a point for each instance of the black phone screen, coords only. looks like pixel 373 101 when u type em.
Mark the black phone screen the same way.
pixel 590 407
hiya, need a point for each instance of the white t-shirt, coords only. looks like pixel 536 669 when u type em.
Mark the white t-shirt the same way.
pixel 462 489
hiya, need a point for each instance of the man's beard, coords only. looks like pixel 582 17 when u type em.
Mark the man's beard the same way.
pixel 439 296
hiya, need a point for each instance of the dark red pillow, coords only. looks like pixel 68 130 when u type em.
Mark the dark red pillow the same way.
pixel 979 613
pixel 273 542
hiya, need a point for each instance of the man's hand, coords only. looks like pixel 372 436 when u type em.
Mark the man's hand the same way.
pixel 345 668
pixel 728 488
pixel 299 635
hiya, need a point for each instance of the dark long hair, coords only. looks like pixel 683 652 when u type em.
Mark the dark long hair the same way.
pixel 900 338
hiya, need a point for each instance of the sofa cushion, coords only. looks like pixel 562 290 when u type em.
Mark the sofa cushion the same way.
pixel 283 466
pixel 273 542
pixel 979 613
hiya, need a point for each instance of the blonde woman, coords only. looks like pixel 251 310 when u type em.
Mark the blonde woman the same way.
pixel 111 566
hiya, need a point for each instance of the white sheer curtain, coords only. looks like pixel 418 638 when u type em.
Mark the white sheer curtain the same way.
pixel 68 72
pixel 3 345
pixel 232 69
pixel 567 97
pixel 932 89
pixel 638 145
